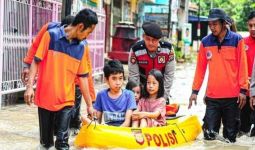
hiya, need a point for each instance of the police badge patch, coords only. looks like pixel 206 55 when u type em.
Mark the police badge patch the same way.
pixel 161 59
pixel 208 55
pixel 133 59
pixel 171 57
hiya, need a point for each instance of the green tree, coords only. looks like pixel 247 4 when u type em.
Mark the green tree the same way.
pixel 236 9
pixel 247 8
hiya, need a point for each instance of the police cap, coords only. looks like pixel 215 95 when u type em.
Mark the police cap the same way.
pixel 152 29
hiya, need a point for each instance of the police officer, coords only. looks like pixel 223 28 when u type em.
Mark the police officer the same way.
pixel 152 53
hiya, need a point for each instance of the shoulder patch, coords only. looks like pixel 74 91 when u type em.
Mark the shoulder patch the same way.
pixel 161 59
pixel 165 50
pixel 138 46
pixel 165 44
pixel 132 59
pixel 171 58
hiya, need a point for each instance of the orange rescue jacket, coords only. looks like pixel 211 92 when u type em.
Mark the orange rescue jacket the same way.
pixel 228 74
pixel 35 44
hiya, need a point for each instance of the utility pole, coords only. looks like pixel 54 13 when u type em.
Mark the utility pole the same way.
pixel 169 19
pixel 66 8
pixel 198 26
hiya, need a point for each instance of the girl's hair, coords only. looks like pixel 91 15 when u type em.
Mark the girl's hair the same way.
pixel 159 77
pixel 132 83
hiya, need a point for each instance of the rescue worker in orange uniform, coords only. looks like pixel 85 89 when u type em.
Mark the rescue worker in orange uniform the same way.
pixel 224 54
pixel 75 119
pixel 61 58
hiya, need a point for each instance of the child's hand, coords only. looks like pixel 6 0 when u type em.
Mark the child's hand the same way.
pixel 137 115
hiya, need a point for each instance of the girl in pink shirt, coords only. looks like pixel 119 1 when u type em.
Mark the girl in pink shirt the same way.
pixel 151 108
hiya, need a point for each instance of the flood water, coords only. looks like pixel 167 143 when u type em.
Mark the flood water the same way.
pixel 19 123
pixel 180 94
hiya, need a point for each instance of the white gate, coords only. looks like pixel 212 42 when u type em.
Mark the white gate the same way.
pixel 20 20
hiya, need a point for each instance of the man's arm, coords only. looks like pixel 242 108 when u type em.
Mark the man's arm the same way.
pixel 243 73
pixel 34 46
pixel 90 77
pixel 31 53
pixel 133 68
pixel 199 75
pixel 83 73
pixel 243 67
pixel 39 56
pixel 252 89
pixel 29 94
pixel 169 76
pixel 83 83
pixel 252 85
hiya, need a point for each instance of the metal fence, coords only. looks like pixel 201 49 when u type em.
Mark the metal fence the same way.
pixel 96 43
pixel 20 20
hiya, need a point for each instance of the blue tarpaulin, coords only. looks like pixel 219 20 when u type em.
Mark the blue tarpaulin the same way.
pixel 195 18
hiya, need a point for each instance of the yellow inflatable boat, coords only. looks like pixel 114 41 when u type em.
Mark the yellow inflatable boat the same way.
pixel 178 131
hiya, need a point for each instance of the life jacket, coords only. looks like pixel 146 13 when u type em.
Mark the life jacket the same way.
pixel 147 62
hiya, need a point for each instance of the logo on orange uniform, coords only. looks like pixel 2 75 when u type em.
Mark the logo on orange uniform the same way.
pixel 209 55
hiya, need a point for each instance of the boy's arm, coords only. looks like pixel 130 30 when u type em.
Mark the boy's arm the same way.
pixel 130 107
pixel 99 116
pixel 127 121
